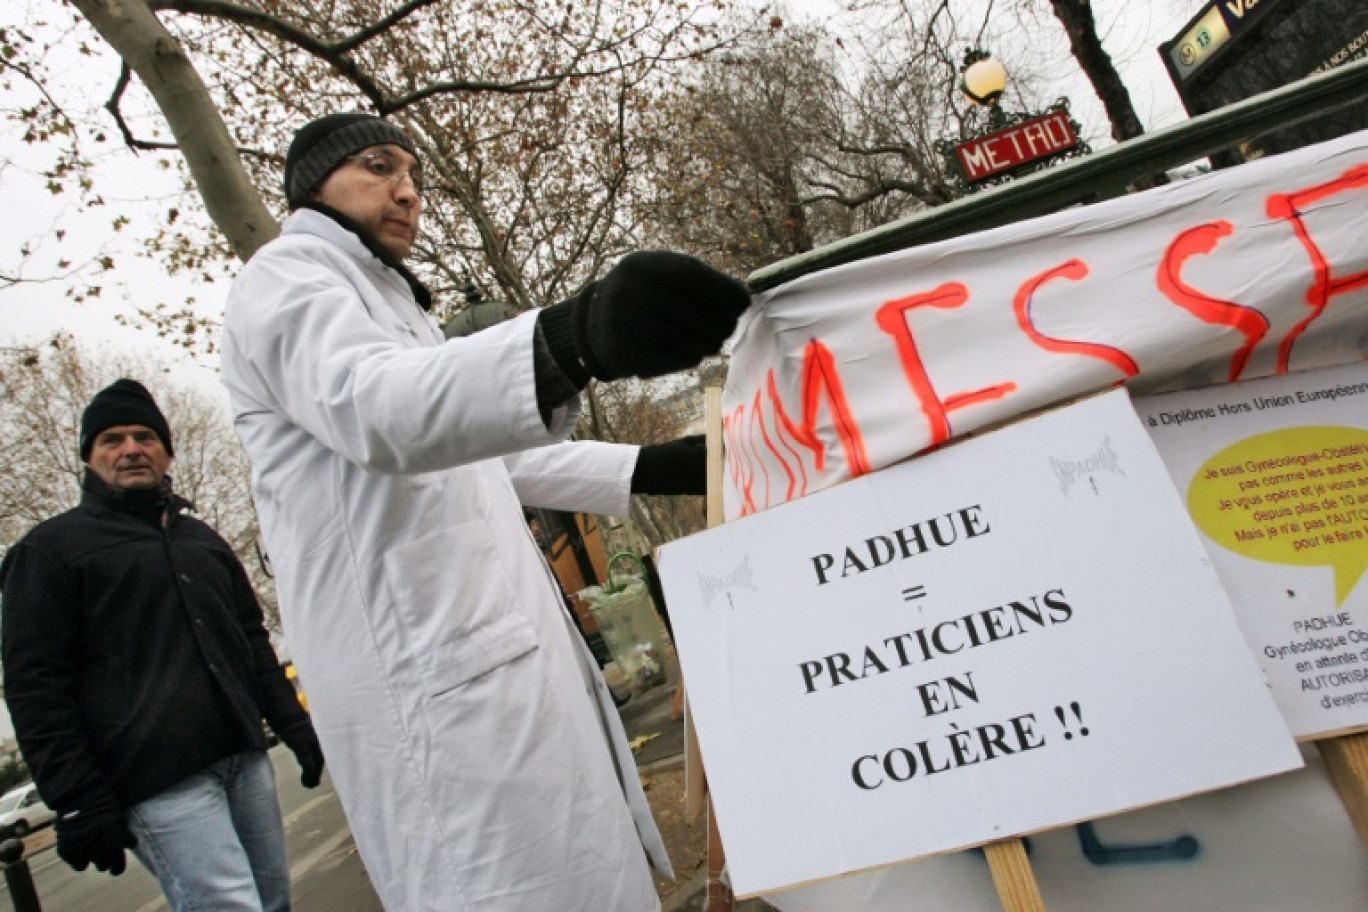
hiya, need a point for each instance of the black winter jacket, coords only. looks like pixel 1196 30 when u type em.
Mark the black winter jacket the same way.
pixel 134 650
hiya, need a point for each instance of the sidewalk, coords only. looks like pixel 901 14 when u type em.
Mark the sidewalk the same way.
pixel 652 718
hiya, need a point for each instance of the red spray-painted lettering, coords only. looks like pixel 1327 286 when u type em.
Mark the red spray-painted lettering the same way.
pixel 892 319
pixel 1075 270
pixel 1248 321
pixel 1290 206
pixel 790 445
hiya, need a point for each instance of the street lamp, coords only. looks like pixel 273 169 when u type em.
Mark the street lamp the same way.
pixel 982 79
pixel 997 145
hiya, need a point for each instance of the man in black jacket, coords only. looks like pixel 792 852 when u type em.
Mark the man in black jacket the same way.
pixel 138 671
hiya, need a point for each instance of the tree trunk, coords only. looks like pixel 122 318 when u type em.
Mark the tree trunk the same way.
pixel 159 61
pixel 1077 18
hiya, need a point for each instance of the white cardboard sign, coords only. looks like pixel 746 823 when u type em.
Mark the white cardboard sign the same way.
pixel 1275 474
pixel 1009 635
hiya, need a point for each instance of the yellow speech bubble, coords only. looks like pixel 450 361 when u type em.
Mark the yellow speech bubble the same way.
pixel 1297 496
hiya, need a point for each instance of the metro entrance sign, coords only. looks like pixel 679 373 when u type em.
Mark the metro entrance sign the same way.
pixel 1006 150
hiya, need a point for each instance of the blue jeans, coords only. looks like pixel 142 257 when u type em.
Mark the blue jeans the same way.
pixel 216 840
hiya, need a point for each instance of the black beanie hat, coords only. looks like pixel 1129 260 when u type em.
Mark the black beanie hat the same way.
pixel 122 402
pixel 320 146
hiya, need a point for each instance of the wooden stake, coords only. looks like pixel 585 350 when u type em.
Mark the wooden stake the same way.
pixel 712 416
pixel 719 896
pixel 1013 877
pixel 1346 758
pixel 695 781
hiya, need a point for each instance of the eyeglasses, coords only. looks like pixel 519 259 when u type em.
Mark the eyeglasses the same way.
pixel 384 166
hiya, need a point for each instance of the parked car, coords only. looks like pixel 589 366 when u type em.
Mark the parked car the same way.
pixel 22 812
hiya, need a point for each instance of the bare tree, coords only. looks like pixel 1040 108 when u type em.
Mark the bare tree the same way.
pixel 526 115
pixel 766 151
pixel 914 50
pixel 643 413
pixel 1076 16
pixel 798 137
pixel 43 390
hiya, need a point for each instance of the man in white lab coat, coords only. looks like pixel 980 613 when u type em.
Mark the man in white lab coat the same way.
pixel 470 736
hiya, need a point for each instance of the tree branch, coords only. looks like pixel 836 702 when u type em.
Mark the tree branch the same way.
pixel 332 53
pixel 335 53
pixel 382 25
pixel 112 106
pixel 156 56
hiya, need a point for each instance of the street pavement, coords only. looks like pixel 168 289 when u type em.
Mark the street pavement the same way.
pixel 326 872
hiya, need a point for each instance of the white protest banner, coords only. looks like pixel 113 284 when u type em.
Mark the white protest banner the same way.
pixel 1015 633
pixel 1275 473
pixel 1249 272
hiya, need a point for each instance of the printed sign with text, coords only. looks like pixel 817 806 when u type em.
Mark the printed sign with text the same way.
pixel 1012 634
pixel 1275 473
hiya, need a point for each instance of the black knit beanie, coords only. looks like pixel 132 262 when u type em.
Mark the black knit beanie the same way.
pixel 122 402
pixel 320 146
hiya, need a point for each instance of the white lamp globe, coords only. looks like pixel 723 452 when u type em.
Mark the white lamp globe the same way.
pixel 984 81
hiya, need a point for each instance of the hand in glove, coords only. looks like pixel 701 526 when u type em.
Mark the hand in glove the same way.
pixel 653 313
pixel 677 467
pixel 96 834
pixel 301 739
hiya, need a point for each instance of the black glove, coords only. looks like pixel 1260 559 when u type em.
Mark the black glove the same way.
pixel 301 739
pixel 96 834
pixel 677 467
pixel 652 314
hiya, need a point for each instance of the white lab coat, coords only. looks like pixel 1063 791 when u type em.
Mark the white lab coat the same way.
pixel 473 742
